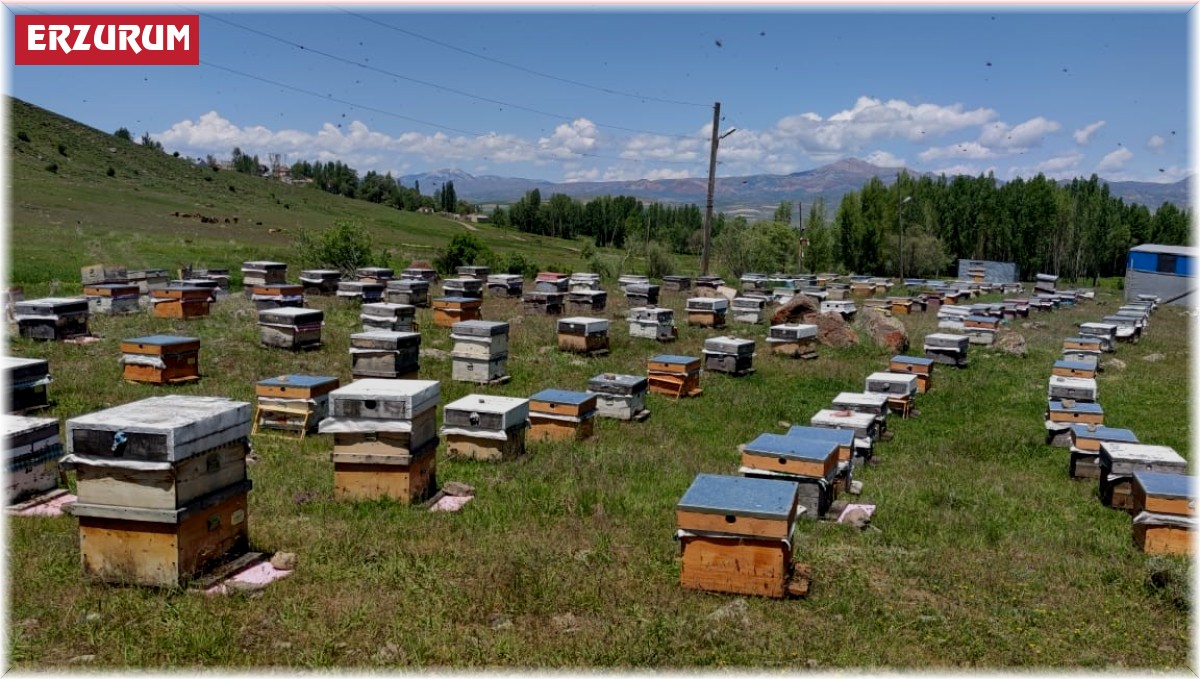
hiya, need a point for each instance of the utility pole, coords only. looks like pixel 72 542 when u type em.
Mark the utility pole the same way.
pixel 800 230
pixel 712 178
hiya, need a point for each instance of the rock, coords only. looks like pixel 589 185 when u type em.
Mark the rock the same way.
pixel 855 488
pixel 785 424
pixel 92 617
pixel 1153 357
pixel 252 459
pixel 243 586
pixel 284 561
pixel 305 496
pixel 884 329
pixel 1114 363
pixel 500 622
pixel 858 518
pixel 458 489
pixel 90 657
pixel 812 663
pixel 387 653
pixel 1012 343
pixel 1033 325
pixel 566 623
pixel 737 610
pixel 834 331
pixel 796 310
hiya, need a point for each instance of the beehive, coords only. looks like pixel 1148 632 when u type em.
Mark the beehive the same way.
pixel 676 283
pixel 1086 441
pixel 731 355
pixel 652 322
pixel 388 316
pixel 621 397
pixel 211 287
pixel 362 292
pixel 556 414
pixel 417 273
pixel 872 403
pixel 112 298
pixel 1061 414
pixel 375 274
pixel 1080 389
pixel 842 438
pixel 947 348
pixel 103 273
pixel 845 308
pixel 811 463
pixel 1164 509
pixel 550 281
pixel 672 375
pixel 921 368
pixel 735 535
pixel 320 281
pixel 262 273
pixel 1105 332
pixel 587 300
pixel 1090 344
pixel 450 310
pixel 641 294
pixel 384 354
pixel 627 280
pixel 148 279
pixel 291 327
pixel 706 286
pixel 26 379
pixel 900 305
pixel 161 359
pixel 505 285
pixel 295 403
pixel 864 425
pixel 408 291
pixel 463 287
pixel 1120 460
pixel 748 309
pixel 707 312
pixel 474 271
pixel 1128 329
pixel 52 318
pixel 489 428
pixel 32 450
pixel 542 302
pixel 181 303
pixel 796 340
pixel 1066 368
pixel 162 488
pixel 480 352
pixel 583 281
pixel 583 335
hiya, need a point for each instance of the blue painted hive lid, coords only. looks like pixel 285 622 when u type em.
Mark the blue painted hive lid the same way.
pixel 842 437
pixel 1074 365
pixel 740 496
pixel 297 381
pixel 912 360
pixel 671 358
pixel 1086 408
pixel 1104 433
pixel 791 447
pixel 162 340
pixel 562 396
pixel 1163 484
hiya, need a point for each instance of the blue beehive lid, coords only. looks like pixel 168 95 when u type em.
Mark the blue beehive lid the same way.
pixel 1083 340
pixel 913 360
pixel 670 358
pixel 1086 408
pixel 740 496
pixel 1074 365
pixel 457 299
pixel 303 381
pixel 983 319
pixel 792 447
pixel 1104 433
pixel 562 396
pixel 1163 484
pixel 162 340
pixel 842 437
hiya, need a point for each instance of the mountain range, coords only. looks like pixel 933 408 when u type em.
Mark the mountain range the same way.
pixel 754 196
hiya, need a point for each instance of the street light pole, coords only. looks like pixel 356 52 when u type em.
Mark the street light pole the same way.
pixel 900 217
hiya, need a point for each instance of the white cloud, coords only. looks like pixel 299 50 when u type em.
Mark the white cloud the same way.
pixel 969 170
pixel 1156 143
pixel 569 140
pixel 1169 175
pixel 1115 160
pixel 669 173
pixel 872 119
pixel 1027 135
pixel 884 159
pixel 1065 166
pixel 968 150
pixel 1084 135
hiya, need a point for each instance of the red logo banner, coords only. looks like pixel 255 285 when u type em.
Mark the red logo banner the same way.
pixel 107 40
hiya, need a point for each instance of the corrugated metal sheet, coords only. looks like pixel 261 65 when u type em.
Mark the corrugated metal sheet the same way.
pixel 1167 249
pixel 1162 285
pixel 994 272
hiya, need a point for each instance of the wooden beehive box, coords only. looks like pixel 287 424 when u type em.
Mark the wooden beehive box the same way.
pixel 32 449
pixel 1164 508
pixel 1081 389
pixel 864 425
pixel 583 335
pixel 1065 368
pixel 621 397
pixel 1119 460
pixel 556 414
pixel 361 292
pixel 921 368
pixel 748 309
pixel 375 274
pixel 731 355
pixel 408 291
pixel 417 273
pixel 277 295
pixel 652 322
pixel 626 280
pixel 295 403
pixel 262 273
pixel 794 455
pixel 542 302
pixel 843 438
pixel 873 403
pixel 382 417
pixel 676 283
pixel 900 305
pixel 1128 328
pixel 385 354
pixel 161 359
pixel 862 289
pixel 450 310
pixel 112 298
pixel 488 428
pixel 982 322
pixel 479 339
pixel 1092 344
pixel 103 273
pixel 388 316
pixel 320 281
pixel 675 376
pixel 148 279
pixel 551 281
pixel 1068 412
pixel 463 287
pixel 587 300
pixel 26 379
pixel 583 281
pixel 845 308
pixel 291 327
pixel 181 303
pixel 210 286
pixel 641 294
pixel 707 312
pixel 406 478
pixel 52 318
pixel 797 340
pixel 1105 332
pixel 505 285
pixel 947 348
pixel 473 271
pixel 1086 441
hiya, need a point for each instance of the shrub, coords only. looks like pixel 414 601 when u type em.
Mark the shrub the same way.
pixel 111 172
pixel 658 260
pixel 463 249
pixel 123 133
pixel 62 149
pixel 52 167
pixel 345 246
pixel 22 136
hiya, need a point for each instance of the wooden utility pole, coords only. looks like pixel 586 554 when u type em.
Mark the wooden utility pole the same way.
pixel 800 231
pixel 712 178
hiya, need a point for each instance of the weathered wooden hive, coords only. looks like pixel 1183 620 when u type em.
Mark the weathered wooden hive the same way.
pixel 651 322
pixel 210 286
pixel 932 300
pixel 388 316
pixel 707 312
pixel 219 276
pixel 1164 512
pixel 480 351
pixel 864 425
pixel 981 329
pixel 706 286
pixel 735 535
pixel 1086 441
pixel 418 273
pixel 385 354
pixel 375 274
pixel 556 414
pixel 1127 327
pixel 362 292
pixel 1045 283
pixel 295 403
pixel 748 309
pixel 149 279
pixel 1105 332
pixel 408 291
pixel 551 281
pixel 901 389
pixel 384 439
pixel 797 340
pixel 1067 368
pixel 672 375
pixel 900 305
pixel 542 302
pixel 1081 389
pixel 52 318
pixel 622 397
pixel 862 289
pixel 583 335
pixel 32 449
pixel 277 296
pixel 921 368
pixel 584 301
pixel 1120 460
pixel 845 308
pixel 450 310
pixel 627 280
pixel 947 348
pixel 583 281
pixel 162 488
pixel 97 274
pixel 505 285
pixel 489 428
pixel 732 355
pixel 676 283
pixel 477 272
pixel 291 327
pixel 465 286
pixel 320 281
pixel 181 303
pixel 753 282
pixel 1062 414
pixel 161 359
pixel 26 380
pixel 641 294
pixel 112 298
pixel 843 439
pixel 262 273
pixel 811 463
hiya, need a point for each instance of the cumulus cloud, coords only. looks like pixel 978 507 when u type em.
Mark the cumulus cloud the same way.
pixel 570 140
pixel 1156 143
pixel 1115 160
pixel 969 170
pixel 871 119
pixel 1027 135
pixel 884 159
pixel 965 150
pixel 1065 166
pixel 1084 134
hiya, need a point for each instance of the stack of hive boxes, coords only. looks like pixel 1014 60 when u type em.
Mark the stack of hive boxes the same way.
pixel 1105 332
pixel 731 355
pixel 26 379
pixel 706 286
pixel 676 283
pixel 162 488
pixel 291 327
pixel 505 285
pixel 489 428
pixel 384 439
pixel 652 322
pixel 622 397
pixel 408 291
pixel 31 453
pixel 388 316
pixel 947 348
pixel 900 388
pixel 361 292
pixel 641 294
pixel 1119 461
pixel 480 352
pixel 277 295
pixel 385 354
pixel 811 463
pixel 583 335
pixel 921 368
pixel 748 310
pixel 543 302
pixel 257 274
pixel 551 281
pixel 583 281
pixel 627 280
pixel 1045 284
pixel 556 414
pixel 1164 512
pixel 797 340
pixel 707 312
pixel 161 359
pixel 112 298
pixel 675 376
pixel 211 288
pixel 450 310
pixel 320 281
pixel 466 286
pixel 52 318
pixel 981 329
pixel 295 403
pixel 419 273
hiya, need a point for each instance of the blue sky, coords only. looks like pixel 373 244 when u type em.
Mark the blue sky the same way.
pixel 969 89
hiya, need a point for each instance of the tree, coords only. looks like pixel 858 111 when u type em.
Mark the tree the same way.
pixel 244 163
pixel 123 133
pixel 345 247
pixel 150 143
pixel 463 249
pixel 783 213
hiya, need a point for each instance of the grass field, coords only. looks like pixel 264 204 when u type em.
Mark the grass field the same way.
pixel 987 554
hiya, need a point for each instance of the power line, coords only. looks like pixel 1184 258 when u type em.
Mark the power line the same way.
pixel 606 90
pixel 462 93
